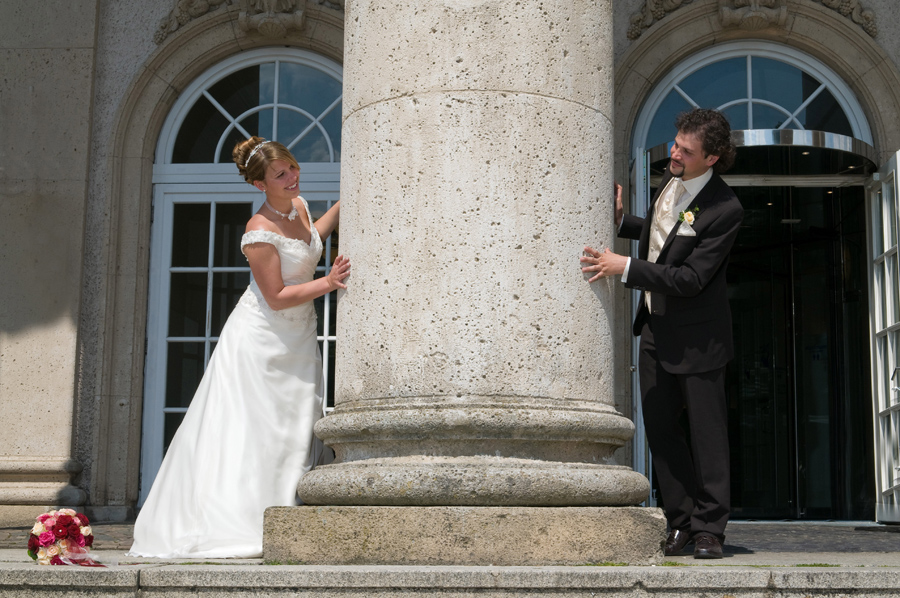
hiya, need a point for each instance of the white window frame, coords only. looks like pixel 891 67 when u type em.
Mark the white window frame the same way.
pixel 884 322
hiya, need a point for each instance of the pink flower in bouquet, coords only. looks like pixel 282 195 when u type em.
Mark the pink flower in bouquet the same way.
pixel 47 538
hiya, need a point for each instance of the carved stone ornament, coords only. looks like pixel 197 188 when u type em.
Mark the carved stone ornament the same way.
pixel 748 14
pixel 271 18
pixel 853 10
pixel 184 12
pixel 651 11
pixel 752 14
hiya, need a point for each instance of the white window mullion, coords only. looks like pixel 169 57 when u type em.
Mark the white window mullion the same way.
pixel 750 92
pixel 276 99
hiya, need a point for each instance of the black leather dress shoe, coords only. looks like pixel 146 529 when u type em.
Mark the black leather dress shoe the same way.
pixel 676 541
pixel 707 547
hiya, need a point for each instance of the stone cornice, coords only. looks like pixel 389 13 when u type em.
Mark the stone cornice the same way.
pixel 749 14
pixel 274 19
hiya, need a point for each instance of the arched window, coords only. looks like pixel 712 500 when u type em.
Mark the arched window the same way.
pixel 758 85
pixel 201 205
pixel 294 98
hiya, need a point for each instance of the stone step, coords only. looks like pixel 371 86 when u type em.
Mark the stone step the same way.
pixel 23 580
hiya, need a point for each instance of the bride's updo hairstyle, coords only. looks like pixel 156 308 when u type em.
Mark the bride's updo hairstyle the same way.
pixel 254 155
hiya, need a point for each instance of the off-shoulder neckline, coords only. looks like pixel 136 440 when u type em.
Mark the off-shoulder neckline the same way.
pixel 273 233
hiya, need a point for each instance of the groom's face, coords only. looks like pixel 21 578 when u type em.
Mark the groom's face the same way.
pixel 688 159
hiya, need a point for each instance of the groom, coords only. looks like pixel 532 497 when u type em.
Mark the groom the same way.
pixel 684 322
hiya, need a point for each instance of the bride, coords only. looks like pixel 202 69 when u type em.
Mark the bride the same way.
pixel 247 437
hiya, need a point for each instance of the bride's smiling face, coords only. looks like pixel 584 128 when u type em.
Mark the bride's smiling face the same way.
pixel 281 180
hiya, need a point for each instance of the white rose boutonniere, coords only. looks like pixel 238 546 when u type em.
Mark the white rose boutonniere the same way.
pixel 686 218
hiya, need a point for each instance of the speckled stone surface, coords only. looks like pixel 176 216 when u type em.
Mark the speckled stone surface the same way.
pixel 505 536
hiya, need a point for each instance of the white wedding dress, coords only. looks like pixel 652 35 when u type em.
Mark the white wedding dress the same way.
pixel 247 437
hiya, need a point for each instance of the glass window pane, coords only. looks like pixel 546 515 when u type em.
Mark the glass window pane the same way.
pixel 312 147
pixel 304 86
pixel 332 124
pixel 317 208
pixel 825 114
pixel 319 303
pixel 199 134
pixel 717 84
pixel 190 235
pixel 233 138
pixel 662 129
pixel 241 91
pixel 184 368
pixel 776 82
pixel 329 382
pixel 258 123
pixel 231 220
pixel 290 124
pixel 187 304
pixel 227 289
pixel 877 223
pixel 879 384
pixel 737 116
pixel 173 420
pixel 767 117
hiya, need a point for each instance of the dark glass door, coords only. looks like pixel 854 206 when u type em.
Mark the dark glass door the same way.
pixel 800 415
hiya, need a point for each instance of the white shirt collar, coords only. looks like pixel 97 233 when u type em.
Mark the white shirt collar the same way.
pixel 696 184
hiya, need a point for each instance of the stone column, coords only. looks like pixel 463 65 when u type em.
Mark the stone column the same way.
pixel 474 361
pixel 474 419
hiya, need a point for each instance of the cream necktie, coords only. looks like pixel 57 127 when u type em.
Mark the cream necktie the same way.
pixel 663 221
pixel 664 218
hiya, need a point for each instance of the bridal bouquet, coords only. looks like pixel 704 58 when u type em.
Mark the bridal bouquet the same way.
pixel 62 537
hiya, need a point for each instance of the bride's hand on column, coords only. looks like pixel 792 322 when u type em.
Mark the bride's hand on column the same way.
pixel 339 271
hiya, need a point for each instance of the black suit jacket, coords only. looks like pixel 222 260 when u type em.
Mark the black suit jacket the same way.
pixel 692 330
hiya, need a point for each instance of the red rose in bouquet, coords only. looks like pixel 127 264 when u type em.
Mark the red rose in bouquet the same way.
pixel 65 520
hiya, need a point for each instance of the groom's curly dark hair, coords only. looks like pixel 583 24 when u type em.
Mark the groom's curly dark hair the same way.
pixel 714 132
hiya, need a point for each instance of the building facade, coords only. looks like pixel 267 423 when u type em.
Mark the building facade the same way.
pixel 121 214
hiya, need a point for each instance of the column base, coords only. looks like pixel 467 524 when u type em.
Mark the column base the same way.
pixel 501 536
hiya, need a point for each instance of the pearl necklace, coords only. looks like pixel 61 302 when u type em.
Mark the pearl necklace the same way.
pixel 290 216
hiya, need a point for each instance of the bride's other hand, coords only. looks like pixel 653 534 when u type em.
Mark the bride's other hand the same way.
pixel 339 271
